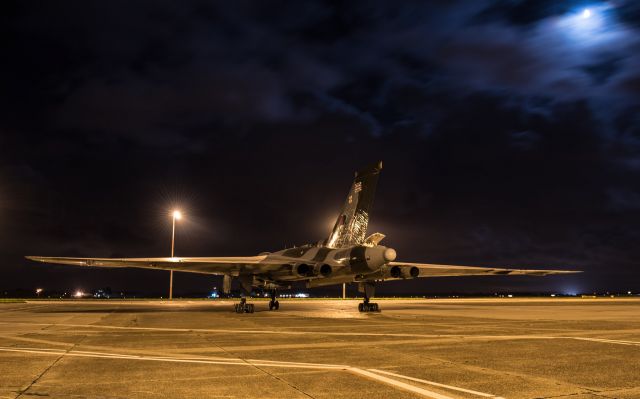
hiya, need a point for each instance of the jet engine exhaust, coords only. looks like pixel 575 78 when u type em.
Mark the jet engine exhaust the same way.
pixel 304 270
pixel 404 272
pixel 326 270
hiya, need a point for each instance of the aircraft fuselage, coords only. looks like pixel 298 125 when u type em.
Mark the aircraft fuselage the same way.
pixel 330 265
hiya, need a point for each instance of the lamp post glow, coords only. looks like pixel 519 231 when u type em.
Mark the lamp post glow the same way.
pixel 176 216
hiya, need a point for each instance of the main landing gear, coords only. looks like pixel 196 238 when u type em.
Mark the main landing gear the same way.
pixel 243 306
pixel 273 303
pixel 368 289
pixel 367 306
pixel 245 286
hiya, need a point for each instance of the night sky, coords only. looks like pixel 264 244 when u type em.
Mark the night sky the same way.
pixel 509 131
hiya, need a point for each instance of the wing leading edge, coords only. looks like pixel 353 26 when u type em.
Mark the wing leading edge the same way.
pixel 434 270
pixel 220 265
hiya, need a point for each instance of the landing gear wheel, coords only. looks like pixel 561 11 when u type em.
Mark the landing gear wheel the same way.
pixel 273 303
pixel 243 307
pixel 368 289
pixel 368 307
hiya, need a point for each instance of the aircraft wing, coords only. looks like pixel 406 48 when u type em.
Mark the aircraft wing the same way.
pixel 220 265
pixel 433 270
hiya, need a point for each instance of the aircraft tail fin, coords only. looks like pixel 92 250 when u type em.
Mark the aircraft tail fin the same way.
pixel 352 222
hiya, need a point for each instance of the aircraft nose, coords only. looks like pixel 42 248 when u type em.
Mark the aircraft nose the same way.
pixel 389 254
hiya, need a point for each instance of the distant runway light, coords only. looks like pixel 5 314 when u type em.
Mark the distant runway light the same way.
pixel 177 215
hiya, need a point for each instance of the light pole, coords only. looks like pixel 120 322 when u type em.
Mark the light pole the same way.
pixel 176 216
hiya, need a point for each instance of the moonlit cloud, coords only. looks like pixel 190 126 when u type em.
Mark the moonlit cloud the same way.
pixel 589 28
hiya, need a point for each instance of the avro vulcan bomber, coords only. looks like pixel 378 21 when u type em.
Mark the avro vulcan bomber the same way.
pixel 348 255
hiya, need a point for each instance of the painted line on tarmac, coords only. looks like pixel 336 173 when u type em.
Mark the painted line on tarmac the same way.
pixel 606 341
pixel 278 332
pixel 230 361
pixel 276 362
pixel 399 384
pixel 28 307
pixel 370 374
pixel 316 333
pixel 236 331
pixel 436 384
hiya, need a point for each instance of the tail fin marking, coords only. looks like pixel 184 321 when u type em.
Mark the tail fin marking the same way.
pixel 351 226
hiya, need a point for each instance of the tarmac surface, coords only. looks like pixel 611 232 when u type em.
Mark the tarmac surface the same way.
pixel 441 349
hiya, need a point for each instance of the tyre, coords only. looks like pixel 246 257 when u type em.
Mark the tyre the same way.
pixel 361 307
pixel 271 305
pixel 276 305
pixel 250 308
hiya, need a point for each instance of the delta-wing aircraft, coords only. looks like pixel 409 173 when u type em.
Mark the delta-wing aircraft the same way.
pixel 348 255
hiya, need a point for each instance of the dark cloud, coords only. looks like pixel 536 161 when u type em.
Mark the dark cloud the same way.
pixel 602 70
pixel 528 12
pixel 509 133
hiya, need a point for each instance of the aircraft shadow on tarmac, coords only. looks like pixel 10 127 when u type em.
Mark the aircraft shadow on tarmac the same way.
pixel 222 308
pixel 142 309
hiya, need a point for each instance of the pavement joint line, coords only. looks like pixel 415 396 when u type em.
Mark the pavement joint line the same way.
pixel 23 391
pixel 275 377
pixel 469 391
pixel 585 390
pixel 370 373
pixel 256 364
pixel 62 353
